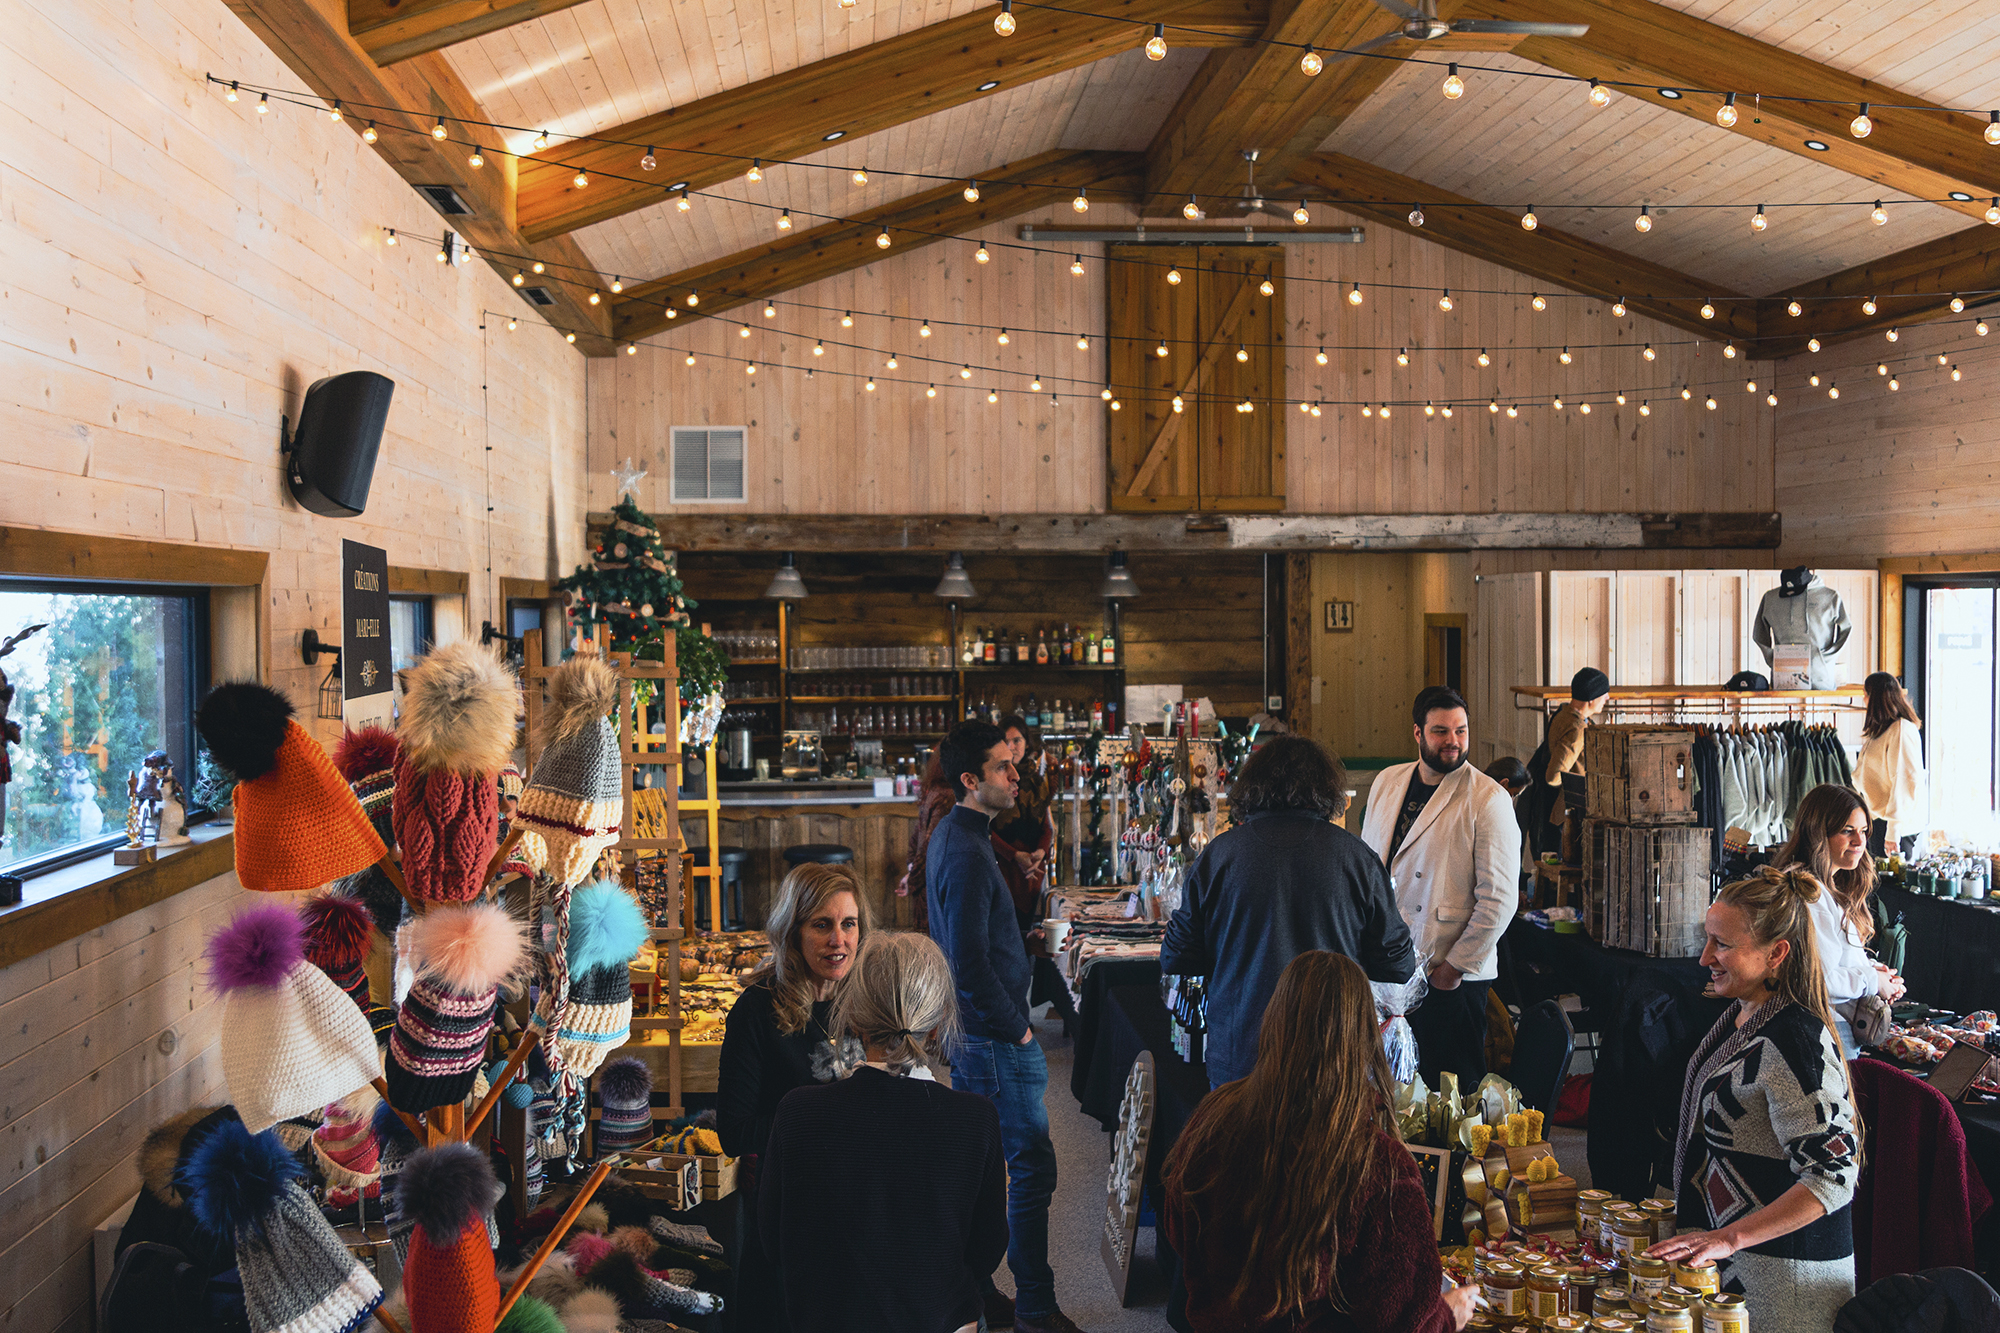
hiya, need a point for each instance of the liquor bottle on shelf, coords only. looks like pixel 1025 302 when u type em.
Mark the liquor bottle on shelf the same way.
pixel 1022 652
pixel 1041 647
pixel 971 650
pixel 1090 652
pixel 1068 646
pixel 1097 714
pixel 1111 717
pixel 1029 712
pixel 1056 715
pixel 1108 654
pixel 988 648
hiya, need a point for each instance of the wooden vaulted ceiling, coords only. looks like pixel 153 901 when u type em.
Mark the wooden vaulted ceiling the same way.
pixel 1068 100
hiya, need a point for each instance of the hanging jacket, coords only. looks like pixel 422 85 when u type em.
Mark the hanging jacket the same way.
pixel 1920 1196
pixel 1816 618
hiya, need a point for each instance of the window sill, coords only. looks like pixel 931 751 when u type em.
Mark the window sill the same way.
pixel 63 904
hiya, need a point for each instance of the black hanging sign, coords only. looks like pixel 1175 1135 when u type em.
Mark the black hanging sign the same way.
pixel 365 678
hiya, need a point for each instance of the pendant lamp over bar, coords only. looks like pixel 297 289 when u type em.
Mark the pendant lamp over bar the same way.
pixel 786 585
pixel 1117 584
pixel 955 583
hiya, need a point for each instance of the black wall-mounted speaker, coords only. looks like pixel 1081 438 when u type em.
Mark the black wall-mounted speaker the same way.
pixel 333 451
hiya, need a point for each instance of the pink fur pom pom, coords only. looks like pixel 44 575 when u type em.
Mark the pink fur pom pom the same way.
pixel 469 947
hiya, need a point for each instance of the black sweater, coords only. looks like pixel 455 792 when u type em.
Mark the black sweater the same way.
pixel 885 1199
pixel 1276 886
pixel 760 1065
pixel 972 917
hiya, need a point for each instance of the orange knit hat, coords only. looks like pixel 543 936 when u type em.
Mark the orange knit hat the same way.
pixel 449 1281
pixel 298 824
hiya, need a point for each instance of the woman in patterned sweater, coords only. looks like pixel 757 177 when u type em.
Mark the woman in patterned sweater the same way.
pixel 1769 1144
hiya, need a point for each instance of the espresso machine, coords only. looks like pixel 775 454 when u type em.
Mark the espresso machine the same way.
pixel 800 759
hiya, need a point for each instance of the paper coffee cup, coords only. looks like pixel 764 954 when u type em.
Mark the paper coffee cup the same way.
pixel 1056 933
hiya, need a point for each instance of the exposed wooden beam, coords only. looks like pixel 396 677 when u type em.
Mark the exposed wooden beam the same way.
pixel 1492 234
pixel 1926 152
pixel 1260 99
pixel 395 30
pixel 1214 532
pixel 1965 261
pixel 863 91
pixel 920 220
pixel 311 37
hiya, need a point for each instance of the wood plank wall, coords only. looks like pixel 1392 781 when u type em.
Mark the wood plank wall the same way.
pixel 101 1039
pixel 181 268
pixel 828 446
pixel 1879 473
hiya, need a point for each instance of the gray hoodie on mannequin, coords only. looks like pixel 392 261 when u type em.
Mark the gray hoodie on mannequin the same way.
pixel 1803 610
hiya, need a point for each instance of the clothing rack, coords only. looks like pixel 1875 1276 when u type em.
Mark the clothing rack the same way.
pixel 1697 705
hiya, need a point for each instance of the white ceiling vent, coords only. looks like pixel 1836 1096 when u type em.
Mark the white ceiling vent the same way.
pixel 708 464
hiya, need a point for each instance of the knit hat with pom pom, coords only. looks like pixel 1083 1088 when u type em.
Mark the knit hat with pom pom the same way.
pixel 592 1310
pixel 606 929
pixel 448 1277
pixel 345 1150
pixel 338 931
pixel 530 1316
pixel 456 734
pixel 292 1041
pixel 298 824
pixel 575 797
pixel 297 1275
pixel 462 954
pixel 367 759
pixel 626 1087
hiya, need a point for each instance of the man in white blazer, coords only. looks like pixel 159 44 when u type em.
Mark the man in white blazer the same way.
pixel 1448 835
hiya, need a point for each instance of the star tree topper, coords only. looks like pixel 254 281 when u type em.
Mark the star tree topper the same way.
pixel 628 477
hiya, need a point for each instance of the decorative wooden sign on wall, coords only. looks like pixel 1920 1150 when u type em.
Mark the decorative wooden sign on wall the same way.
pixel 1128 1173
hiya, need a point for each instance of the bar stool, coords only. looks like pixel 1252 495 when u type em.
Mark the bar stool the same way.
pixel 818 853
pixel 732 860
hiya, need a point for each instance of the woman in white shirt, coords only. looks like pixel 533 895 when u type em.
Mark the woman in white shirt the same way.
pixel 1890 771
pixel 1830 839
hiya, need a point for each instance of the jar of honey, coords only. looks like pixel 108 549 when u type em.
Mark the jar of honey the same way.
pixel 1610 1323
pixel 1481 1322
pixel 1607 1220
pixel 1688 1294
pixel 1648 1274
pixel 1660 1212
pixel 1505 1287
pixel 1631 1234
pixel 1569 1323
pixel 1610 1299
pixel 1589 1204
pixel 1583 1283
pixel 1548 1293
pixel 1669 1315
pixel 1724 1313
pixel 1699 1276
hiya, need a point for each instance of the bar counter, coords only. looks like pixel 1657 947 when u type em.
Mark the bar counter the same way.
pixel 764 818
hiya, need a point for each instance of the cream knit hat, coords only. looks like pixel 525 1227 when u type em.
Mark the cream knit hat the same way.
pixel 292 1041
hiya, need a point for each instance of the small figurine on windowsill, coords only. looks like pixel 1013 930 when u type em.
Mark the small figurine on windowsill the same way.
pixel 135 852
pixel 170 826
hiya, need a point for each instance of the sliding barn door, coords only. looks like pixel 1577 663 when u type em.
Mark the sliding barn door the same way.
pixel 1211 454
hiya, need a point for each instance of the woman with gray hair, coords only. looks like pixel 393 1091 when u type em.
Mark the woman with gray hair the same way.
pixel 933 1190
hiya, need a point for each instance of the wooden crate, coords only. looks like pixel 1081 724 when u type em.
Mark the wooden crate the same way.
pixel 673 1179
pixel 1639 775
pixel 1647 889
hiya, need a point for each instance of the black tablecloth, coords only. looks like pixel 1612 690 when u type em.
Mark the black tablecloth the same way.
pixel 1951 957
pixel 1098 981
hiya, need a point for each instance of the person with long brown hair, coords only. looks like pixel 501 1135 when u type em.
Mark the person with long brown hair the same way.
pixel 1291 1201
pixel 1890 769
pixel 934 802
pixel 1830 842
pixel 1769 1147
pixel 1024 837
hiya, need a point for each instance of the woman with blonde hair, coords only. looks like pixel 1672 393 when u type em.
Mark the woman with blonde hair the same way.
pixel 780 1035
pixel 1769 1146
pixel 1291 1201
pixel 1830 842
pixel 1890 769
pixel 930 1198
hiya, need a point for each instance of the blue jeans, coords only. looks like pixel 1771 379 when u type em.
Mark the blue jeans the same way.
pixel 1015 1078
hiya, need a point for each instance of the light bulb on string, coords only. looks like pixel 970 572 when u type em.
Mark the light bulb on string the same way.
pixel 1003 22
pixel 1861 126
pixel 1758 221
pixel 1416 215
pixel 1036 382
pixel 1403 356
pixel 1813 379
pixel 1725 115
pixel 1649 353
pixel 847 319
pixel 1242 354
pixel 1513 412
pixel 1645 408
pixel 785 220
pixel 770 311
pixel 1709 402
pixel 1644 222
pixel 1162 351
pixel 368 135
pixel 230 96
pixel 1538 301
pixel 1729 350
pixel 1618 308
pixel 1191 210
pixel 1179 404
pixel 1882 368
pixel 1367 410
pixel 1894 384
pixel 1453 87
pixel 1750 386
pixel 1156 45
pixel 1812 344
pixel 1300 215
pixel 1082 342
pixel 1444 302
pixel 1955 375
pixel 882 242
pixel 891 363
pixel 1687 393
pixel 930 391
pixel 1354 296
pixel 631 349
pixel 1600 96
pixel 1565 357
pixel 1266 288
pixel 1320 356
pixel 1868 306
pixel 750 368
pixel 1620 398
pixel 264 107
pixel 1081 203
pixel 648 161
pixel 569 337
pixel 1305 408
pixel 513 323
pixel 971 192
pixel 1494 407
pixel 924 329
pixel 1316 411
pixel 684 203
pixel 965 372
pixel 539 267
pixel 1833 390
pixel 541 140
pixel 1771 399
pixel 1878 215
pixel 756 172
pixel 1794 309
pixel 618 284
pixel 439 132
pixel 581 180
pixel 1076 265
pixel 673 313
pixel 1957 304
pixel 1106 395
pixel 1311 63
pixel 1430 409
pixel 1528 219
pixel 743 332
pixel 1483 359
pixel 870 385
pixel 860 176
pixel 1981 328
pixel 992 395
pixel 1707 310
pixel 1173 277
pixel 1385 410
pixel 819 349
pixel 392 236
pixel 478 158
pixel 1992 134
pixel 1583 408
pixel 981 255
pixel 1557 402
pixel 1003 339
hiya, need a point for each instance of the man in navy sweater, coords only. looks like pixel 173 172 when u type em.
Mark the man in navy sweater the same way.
pixel 972 916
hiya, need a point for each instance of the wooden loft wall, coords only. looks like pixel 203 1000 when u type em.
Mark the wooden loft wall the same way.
pixel 187 267
pixel 826 446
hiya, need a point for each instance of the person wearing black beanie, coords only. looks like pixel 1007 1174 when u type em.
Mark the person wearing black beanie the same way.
pixel 1562 752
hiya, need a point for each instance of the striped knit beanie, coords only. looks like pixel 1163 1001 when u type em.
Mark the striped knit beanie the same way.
pixel 575 797
pixel 298 825
pixel 297 1275
pixel 292 1041
pixel 606 929
pixel 457 733
pixel 338 932
pixel 367 759
pixel 625 1086
pixel 344 1147
pixel 462 954
pixel 449 1282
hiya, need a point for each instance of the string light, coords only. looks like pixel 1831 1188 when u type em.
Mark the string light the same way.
pixel 1812 344
pixel 1320 356
pixel 1162 350
pixel 1794 309
pixel 1403 356
pixel 1082 342
pixel 1416 215
pixel 1316 411
pixel 1106 395
pixel 1300 215
pixel 1173 277
pixel 1621 398
pixel 478 159
pixel 1868 306
pixel 770 311
pixel 1861 126
pixel 684 203
pixel 785 220
pixel 980 255
pixel 750 368
pixel 847 319
pixel 1771 399
pixel 1750 386
pixel 1241 353
pixel 924 329
pixel 1956 375
pixel 1729 351
pixel 965 372
pixel 648 162
pixel 1645 407
pixel 860 175
pixel 931 391
pixel 1156 45
pixel 1649 353
pixel 1894 384
pixel 971 192
pixel 1618 308
pixel 1710 402
pixel 539 267
pixel 1538 301
pixel 1813 380
pixel 520 278
pixel 631 349
pixel 1882 368
pixel 1833 390
pixel 1943 359
pixel 392 237
pixel 1758 221
pixel 1430 409
pixel 1644 222
pixel 1367 411
pixel 264 106
pixel 819 349
pixel 1528 219
pixel 1076 265
pixel 882 241
pixel 992 395
pixel 230 96
pixel 513 324
pixel 743 332
pixel 1305 407
pixel 1003 22
pixel 1600 96
pixel 1992 134
pixel 1494 407
pixel 1453 87
pixel 756 172
pixel 618 285
pixel 1513 412
pixel 1191 210
pixel 1878 215
pixel 1981 328
pixel 581 180
pixel 368 135
pixel 541 140
pixel 1310 64
pixel 1354 297
pixel 1957 304
pixel 1035 384
pixel 439 132
pixel 1558 403
pixel 1687 393
pixel 1707 310
pixel 1565 357
pixel 870 385
pixel 1081 203
pixel 569 337
pixel 1725 115
pixel 1003 339
pixel 1266 288
pixel 891 363
pixel 1583 408
pixel 1444 302
pixel 1484 360
pixel 1992 214
pixel 1385 411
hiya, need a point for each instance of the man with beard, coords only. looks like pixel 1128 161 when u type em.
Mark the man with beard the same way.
pixel 1448 835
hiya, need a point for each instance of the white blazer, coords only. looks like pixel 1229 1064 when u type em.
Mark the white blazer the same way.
pixel 1458 873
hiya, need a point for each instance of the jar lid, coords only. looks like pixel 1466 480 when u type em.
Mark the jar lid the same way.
pixel 1548 1271
pixel 1503 1267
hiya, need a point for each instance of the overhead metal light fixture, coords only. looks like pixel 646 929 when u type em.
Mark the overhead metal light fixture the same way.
pixel 786 585
pixel 955 583
pixel 1117 584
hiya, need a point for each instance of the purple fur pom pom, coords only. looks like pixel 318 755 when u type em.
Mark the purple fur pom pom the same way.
pixel 256 949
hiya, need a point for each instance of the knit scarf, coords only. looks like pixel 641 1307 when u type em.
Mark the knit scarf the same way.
pixel 1723 1043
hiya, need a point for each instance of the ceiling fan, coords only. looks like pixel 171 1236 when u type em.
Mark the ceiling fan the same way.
pixel 1252 200
pixel 1421 24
